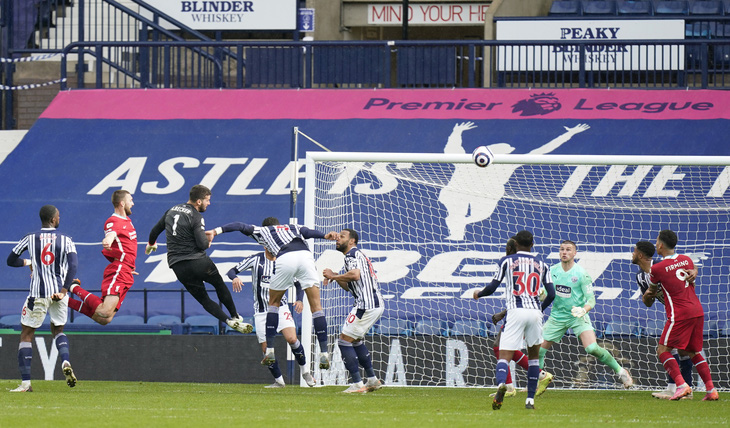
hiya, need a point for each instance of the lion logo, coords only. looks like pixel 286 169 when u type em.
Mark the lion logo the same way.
pixel 538 104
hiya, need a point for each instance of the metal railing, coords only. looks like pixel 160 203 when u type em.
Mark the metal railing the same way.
pixel 694 64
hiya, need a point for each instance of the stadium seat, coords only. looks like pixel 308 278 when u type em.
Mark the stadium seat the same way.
pixel 706 7
pixel 164 320
pixel 599 7
pixel 653 328
pixel 203 324
pixel 622 328
pixel 468 328
pixel 431 327
pixel 391 326
pixel 671 7
pixel 721 57
pixel 82 319
pixel 128 320
pixel 697 30
pixel 10 320
pixel 712 328
pixel 565 8
pixel 636 8
pixel 726 7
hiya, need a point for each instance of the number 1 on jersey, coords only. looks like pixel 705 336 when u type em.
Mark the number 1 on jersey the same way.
pixel 174 225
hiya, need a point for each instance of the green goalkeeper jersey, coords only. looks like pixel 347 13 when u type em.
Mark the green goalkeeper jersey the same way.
pixel 572 288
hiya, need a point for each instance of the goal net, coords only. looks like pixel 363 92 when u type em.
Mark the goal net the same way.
pixel 435 225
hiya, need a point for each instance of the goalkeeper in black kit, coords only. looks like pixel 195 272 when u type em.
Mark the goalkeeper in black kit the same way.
pixel 642 257
pixel 187 241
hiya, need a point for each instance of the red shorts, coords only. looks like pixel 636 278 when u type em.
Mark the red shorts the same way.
pixel 684 334
pixel 118 279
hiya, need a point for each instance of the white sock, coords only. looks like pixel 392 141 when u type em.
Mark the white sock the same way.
pixel 280 380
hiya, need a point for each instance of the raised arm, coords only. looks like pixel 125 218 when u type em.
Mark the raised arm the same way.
pixel 154 233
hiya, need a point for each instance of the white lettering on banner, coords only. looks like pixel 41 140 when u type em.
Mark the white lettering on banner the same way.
pixel 656 188
pixel 722 182
pixel 428 14
pixel 396 367
pixel 175 180
pixel 48 359
pixel 282 183
pixel 131 169
pixel 454 371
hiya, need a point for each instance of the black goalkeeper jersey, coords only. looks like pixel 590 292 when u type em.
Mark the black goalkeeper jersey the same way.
pixel 184 229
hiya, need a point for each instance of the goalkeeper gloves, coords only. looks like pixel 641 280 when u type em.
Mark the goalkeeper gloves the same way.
pixel 150 248
pixel 577 311
pixel 542 295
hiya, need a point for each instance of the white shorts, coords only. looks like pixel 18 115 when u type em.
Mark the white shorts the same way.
pixel 522 324
pixel 357 327
pixel 294 266
pixel 33 318
pixel 285 320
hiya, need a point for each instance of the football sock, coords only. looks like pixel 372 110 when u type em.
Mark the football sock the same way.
pixel 62 346
pixel 672 367
pixel 502 370
pixel 704 370
pixel 363 357
pixel 533 373
pixel 685 367
pixel 272 323
pixel 319 322
pixel 349 357
pixel 274 369
pixel 509 372
pixel 89 302
pixel 520 359
pixel 543 351
pixel 25 357
pixel 298 350
pixel 603 356
pixel 74 304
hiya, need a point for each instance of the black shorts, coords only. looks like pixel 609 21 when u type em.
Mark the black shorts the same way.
pixel 193 273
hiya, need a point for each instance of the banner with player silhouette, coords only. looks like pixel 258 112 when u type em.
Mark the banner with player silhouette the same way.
pixel 157 144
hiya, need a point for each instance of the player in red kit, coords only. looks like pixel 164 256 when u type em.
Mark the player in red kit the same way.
pixel 685 316
pixel 120 248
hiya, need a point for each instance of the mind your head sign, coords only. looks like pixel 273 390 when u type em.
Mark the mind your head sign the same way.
pixel 229 14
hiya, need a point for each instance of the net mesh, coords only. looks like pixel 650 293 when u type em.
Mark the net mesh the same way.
pixel 434 232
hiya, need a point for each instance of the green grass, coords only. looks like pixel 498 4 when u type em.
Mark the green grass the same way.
pixel 144 404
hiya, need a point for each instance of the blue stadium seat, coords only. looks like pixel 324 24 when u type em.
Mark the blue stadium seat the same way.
pixel 128 320
pixel 391 326
pixel 706 7
pixel 203 324
pixel 431 327
pixel 671 7
pixel 468 328
pixel 599 7
pixel 719 30
pixel 82 319
pixel 10 320
pixel 622 328
pixel 164 320
pixel 653 328
pixel 635 8
pixel 565 8
pixel 726 7
pixel 698 30
pixel 712 328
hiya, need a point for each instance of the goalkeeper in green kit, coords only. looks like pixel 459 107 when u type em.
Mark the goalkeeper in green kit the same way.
pixel 574 298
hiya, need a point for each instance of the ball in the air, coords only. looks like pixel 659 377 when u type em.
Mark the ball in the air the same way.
pixel 482 156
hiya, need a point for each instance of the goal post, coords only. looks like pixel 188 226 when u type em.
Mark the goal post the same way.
pixel 436 224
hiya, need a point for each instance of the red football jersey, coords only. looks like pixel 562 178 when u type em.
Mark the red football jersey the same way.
pixel 680 299
pixel 124 246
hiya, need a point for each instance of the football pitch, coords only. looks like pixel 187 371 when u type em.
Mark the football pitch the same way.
pixel 148 404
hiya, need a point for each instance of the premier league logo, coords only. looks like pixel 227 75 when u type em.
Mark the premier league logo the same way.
pixel 537 105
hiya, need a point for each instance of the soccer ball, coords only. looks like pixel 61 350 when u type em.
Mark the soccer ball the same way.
pixel 482 156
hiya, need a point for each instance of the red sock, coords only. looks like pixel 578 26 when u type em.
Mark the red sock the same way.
pixel 74 304
pixel 520 359
pixel 704 370
pixel 672 367
pixel 509 372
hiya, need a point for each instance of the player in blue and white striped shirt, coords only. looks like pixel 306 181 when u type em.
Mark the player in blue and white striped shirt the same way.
pixel 294 261
pixel 360 280
pixel 524 274
pixel 262 269
pixel 53 264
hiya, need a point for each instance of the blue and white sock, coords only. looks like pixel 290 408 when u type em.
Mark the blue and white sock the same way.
pixel 533 374
pixel 274 369
pixel 363 356
pixel 349 357
pixel 502 370
pixel 298 350
pixel 25 357
pixel 272 323
pixel 320 329
pixel 62 346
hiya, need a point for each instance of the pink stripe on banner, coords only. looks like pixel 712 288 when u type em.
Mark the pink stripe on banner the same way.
pixel 160 104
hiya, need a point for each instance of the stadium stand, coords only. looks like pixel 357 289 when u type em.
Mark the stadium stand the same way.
pixel 203 324
pixel 393 326
pixel 671 8
pixel 10 321
pixel 653 328
pixel 467 327
pixel 431 327
pixel 621 328
pixel 593 8
pixel 128 320
pixel 565 8
pixel 706 7
pixel 635 8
